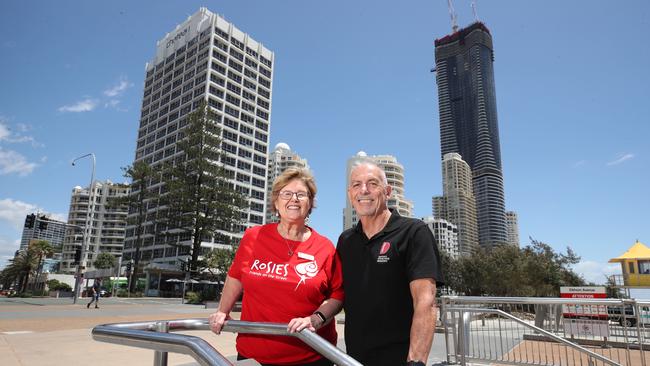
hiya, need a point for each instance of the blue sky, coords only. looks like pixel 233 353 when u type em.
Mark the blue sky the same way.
pixel 572 92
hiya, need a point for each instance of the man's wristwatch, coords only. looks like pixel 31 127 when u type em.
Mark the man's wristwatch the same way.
pixel 415 363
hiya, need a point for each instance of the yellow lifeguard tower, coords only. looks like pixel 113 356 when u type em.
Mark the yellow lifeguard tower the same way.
pixel 635 265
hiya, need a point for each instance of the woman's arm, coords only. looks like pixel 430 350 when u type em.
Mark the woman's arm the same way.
pixel 232 290
pixel 329 308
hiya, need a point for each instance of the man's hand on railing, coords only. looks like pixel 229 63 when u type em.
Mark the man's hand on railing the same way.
pixel 217 320
pixel 297 324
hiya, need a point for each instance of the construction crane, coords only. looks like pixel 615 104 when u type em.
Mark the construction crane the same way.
pixel 474 11
pixel 453 16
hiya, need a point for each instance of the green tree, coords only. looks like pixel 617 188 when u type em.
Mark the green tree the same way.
pixel 42 249
pixel 141 175
pixel 200 202
pixel 104 260
pixel 536 270
pixel 23 266
pixel 218 261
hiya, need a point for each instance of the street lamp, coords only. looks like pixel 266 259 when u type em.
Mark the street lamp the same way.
pixel 88 226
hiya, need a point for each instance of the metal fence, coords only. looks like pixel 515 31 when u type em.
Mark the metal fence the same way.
pixel 546 331
pixel 155 336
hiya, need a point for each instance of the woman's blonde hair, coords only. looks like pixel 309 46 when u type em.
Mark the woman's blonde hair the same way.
pixel 286 177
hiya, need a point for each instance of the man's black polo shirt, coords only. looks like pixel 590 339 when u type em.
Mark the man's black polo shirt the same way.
pixel 376 276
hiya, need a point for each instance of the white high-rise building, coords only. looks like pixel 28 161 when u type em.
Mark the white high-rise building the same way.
pixel 53 231
pixel 457 204
pixel 446 235
pixel 395 176
pixel 108 223
pixel 205 59
pixel 280 160
pixel 512 224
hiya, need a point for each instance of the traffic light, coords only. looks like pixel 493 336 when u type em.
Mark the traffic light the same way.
pixel 128 267
pixel 29 221
pixel 42 223
pixel 77 256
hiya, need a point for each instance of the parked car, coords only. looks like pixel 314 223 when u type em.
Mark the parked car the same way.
pixel 103 292
pixel 629 318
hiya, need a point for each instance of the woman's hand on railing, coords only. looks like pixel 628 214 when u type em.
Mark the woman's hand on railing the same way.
pixel 298 324
pixel 217 320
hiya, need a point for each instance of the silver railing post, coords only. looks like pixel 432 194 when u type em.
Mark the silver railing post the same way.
pixel 160 357
pixel 463 335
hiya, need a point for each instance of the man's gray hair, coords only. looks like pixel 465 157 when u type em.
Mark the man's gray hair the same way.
pixel 365 161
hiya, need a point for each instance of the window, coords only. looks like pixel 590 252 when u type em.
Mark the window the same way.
pixel 234 88
pixel 229 135
pixel 236 54
pixel 266 61
pixel 237 43
pixel 245 153
pixel 259 171
pixel 261 136
pixel 244 165
pixel 231 99
pixel 231 123
pixel 250 85
pixel 234 77
pixel 233 112
pixel 235 65
pixel 261 148
pixel 247 130
pixel 257 194
pixel 258 182
pixel 631 267
pixel 259 159
pixel 217 80
pixel 244 141
pixel 228 147
pixel 251 63
pixel 241 177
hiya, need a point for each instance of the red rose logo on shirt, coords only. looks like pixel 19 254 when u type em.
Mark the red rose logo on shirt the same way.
pixel 384 248
pixel 306 270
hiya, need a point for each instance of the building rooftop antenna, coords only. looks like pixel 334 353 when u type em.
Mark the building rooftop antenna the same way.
pixel 474 11
pixel 453 16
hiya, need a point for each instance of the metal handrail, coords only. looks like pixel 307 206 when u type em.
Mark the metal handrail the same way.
pixel 466 320
pixel 539 300
pixel 147 335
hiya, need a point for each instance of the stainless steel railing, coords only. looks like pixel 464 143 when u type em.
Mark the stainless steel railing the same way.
pixel 464 334
pixel 154 335
pixel 546 331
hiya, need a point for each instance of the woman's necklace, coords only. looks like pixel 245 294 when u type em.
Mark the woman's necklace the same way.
pixel 291 249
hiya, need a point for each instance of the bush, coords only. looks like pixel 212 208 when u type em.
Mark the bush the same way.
pixel 63 287
pixel 193 298
pixel 53 284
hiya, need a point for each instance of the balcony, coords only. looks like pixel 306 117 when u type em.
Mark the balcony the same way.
pixel 631 280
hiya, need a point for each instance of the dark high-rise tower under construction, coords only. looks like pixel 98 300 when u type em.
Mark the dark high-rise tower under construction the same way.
pixel 468 121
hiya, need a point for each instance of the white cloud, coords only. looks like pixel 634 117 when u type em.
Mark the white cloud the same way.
pixel 7 135
pixel 85 105
pixel 596 272
pixel 621 159
pixel 8 248
pixel 13 162
pixel 14 212
pixel 4 131
pixel 579 163
pixel 118 89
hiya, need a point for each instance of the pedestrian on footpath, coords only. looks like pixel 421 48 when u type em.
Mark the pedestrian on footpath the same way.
pixel 391 268
pixel 95 293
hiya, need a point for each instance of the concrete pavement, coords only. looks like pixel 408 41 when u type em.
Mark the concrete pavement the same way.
pixel 56 332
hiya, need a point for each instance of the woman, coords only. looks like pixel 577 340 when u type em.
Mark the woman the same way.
pixel 290 274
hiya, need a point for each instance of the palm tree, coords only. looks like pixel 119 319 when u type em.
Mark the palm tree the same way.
pixel 23 266
pixel 41 248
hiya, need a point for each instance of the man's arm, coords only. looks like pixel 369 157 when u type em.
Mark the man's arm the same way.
pixel 423 325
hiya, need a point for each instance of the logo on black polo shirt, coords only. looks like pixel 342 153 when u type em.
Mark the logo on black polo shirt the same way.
pixel 383 258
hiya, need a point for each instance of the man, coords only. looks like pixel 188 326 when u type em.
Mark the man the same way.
pixel 95 293
pixel 390 269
